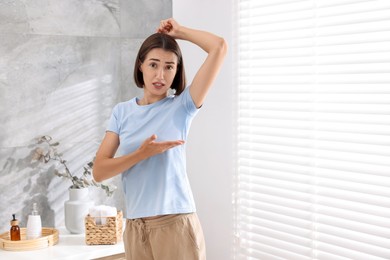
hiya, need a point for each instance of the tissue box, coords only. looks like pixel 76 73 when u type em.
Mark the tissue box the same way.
pixel 108 234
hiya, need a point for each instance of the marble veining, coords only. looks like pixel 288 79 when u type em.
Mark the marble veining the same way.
pixel 71 17
pixel 63 66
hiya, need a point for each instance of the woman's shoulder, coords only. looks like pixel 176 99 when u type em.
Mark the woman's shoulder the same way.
pixel 183 93
pixel 124 105
pixel 186 100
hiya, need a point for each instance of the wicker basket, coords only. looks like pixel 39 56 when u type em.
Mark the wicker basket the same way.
pixel 49 238
pixel 107 234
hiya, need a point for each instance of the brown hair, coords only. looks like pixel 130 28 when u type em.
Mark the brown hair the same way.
pixel 167 43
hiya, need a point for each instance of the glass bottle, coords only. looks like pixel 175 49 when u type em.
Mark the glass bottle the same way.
pixel 15 229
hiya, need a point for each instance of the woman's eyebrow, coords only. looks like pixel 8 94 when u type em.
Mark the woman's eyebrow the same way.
pixel 167 62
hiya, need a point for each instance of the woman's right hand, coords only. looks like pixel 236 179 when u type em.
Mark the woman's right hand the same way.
pixel 150 147
pixel 106 166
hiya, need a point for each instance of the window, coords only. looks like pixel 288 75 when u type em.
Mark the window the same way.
pixel 313 136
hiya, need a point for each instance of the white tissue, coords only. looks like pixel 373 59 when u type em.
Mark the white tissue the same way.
pixel 101 212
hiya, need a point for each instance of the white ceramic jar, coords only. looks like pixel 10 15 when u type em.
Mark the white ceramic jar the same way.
pixel 76 209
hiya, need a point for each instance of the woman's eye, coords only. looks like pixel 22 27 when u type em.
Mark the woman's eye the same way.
pixel 170 67
pixel 153 65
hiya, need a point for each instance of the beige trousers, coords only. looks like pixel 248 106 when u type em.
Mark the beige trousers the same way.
pixel 171 237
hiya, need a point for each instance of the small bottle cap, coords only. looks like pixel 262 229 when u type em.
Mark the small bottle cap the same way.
pixel 14 221
pixel 35 210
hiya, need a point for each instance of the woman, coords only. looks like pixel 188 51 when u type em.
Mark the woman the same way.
pixel 151 131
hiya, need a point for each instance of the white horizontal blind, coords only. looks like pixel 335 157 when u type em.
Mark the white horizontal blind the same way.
pixel 313 138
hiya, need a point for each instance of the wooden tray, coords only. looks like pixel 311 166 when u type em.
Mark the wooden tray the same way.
pixel 49 238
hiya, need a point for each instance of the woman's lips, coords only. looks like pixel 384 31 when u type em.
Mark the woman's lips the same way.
pixel 158 85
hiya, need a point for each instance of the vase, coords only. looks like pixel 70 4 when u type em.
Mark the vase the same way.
pixel 76 209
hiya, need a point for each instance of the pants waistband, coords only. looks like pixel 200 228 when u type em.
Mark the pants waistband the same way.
pixel 158 222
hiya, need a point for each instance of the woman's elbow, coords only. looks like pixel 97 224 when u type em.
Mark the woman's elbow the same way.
pixel 96 174
pixel 222 46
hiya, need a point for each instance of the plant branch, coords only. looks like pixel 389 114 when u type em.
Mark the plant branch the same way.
pixel 51 153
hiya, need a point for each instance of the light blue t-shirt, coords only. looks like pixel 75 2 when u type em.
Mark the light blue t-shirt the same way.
pixel 158 185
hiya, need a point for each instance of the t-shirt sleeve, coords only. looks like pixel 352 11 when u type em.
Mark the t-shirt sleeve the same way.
pixel 188 102
pixel 113 122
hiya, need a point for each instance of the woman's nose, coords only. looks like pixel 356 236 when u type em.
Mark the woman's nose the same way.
pixel 160 74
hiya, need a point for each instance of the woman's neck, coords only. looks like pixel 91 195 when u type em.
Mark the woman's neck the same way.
pixel 147 100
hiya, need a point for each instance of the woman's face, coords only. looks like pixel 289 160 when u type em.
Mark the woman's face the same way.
pixel 159 70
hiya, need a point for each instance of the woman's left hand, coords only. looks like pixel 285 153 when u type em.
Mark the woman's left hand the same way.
pixel 169 26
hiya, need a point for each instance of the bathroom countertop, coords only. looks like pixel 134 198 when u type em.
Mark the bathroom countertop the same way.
pixel 69 247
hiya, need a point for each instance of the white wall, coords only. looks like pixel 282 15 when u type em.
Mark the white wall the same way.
pixel 210 155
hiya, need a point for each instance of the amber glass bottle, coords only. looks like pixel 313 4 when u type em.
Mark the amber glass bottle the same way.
pixel 15 229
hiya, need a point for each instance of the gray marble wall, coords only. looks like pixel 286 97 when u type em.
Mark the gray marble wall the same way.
pixel 63 66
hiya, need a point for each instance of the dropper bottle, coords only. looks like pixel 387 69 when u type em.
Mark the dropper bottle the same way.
pixel 15 229
pixel 34 224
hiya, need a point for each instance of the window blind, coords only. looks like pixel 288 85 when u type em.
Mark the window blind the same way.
pixel 313 135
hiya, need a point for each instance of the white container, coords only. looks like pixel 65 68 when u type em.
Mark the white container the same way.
pixel 76 209
pixel 34 224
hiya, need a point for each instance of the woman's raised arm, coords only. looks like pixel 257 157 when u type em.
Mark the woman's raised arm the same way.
pixel 215 47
